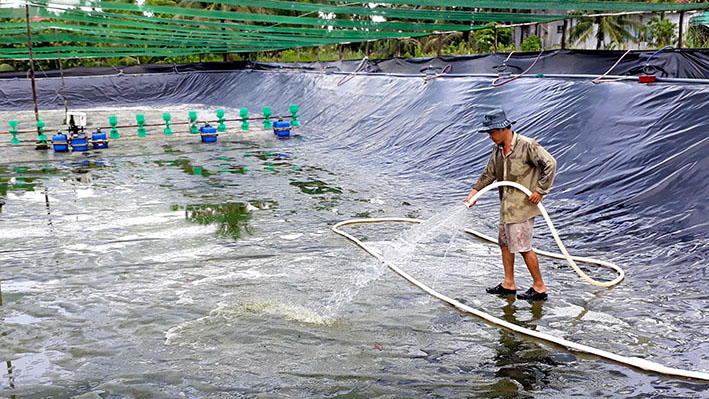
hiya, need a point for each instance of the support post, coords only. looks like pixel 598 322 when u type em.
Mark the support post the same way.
pixel 61 72
pixel 494 28
pixel 681 23
pixel 29 48
pixel 563 36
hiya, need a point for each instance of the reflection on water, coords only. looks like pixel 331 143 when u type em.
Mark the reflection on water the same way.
pixel 228 167
pixel 315 187
pixel 231 218
pixel 169 149
pixel 22 178
pixel 86 165
pixel 272 159
pixel 10 376
pixel 521 363
pixel 267 155
pixel 186 166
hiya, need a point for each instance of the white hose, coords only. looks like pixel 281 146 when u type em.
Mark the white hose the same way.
pixel 631 361
pixel 564 253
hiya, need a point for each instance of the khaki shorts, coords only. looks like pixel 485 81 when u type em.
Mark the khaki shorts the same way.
pixel 517 237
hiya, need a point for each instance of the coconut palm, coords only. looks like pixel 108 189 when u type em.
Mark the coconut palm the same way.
pixel 409 45
pixel 437 41
pixel 615 28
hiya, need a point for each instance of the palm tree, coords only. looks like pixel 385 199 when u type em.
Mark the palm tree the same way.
pixel 615 28
pixel 437 41
pixel 408 43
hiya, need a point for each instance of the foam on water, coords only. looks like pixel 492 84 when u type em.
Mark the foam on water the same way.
pixel 195 332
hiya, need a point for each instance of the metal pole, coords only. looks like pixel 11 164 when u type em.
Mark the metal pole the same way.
pixel 681 22
pixel 61 71
pixel 29 47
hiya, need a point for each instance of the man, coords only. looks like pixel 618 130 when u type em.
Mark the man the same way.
pixel 522 160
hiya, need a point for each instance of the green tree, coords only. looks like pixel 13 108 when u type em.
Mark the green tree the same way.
pixel 436 42
pixel 614 28
pixel 411 47
pixel 698 36
pixel 531 43
pixel 483 40
pixel 662 32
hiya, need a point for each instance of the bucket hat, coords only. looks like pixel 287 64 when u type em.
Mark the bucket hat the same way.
pixel 495 119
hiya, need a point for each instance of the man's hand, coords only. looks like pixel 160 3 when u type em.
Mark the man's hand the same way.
pixel 535 197
pixel 468 204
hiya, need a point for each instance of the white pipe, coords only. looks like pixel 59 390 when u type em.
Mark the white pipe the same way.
pixel 630 361
pixel 564 253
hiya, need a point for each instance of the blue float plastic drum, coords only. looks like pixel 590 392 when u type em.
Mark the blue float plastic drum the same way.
pixel 281 128
pixel 79 142
pixel 208 134
pixel 59 141
pixel 99 140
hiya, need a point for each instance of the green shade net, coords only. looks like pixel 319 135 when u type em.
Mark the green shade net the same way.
pixel 83 28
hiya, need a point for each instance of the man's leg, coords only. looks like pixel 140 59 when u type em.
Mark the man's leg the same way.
pixel 530 258
pixel 508 262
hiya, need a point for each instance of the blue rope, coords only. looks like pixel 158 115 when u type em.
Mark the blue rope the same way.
pixel 655 53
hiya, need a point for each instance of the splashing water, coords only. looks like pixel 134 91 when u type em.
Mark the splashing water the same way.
pixel 352 285
pixel 401 251
pixel 433 232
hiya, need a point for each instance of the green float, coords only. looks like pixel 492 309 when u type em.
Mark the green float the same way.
pixel 166 117
pixel 194 129
pixel 113 121
pixel 40 129
pixel 244 113
pixel 140 119
pixel 267 123
pixel 294 110
pixel 13 132
pixel 220 116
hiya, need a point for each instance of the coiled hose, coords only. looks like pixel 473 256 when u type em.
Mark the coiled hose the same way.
pixel 630 361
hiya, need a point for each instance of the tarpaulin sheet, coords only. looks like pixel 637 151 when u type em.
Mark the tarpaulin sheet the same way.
pixel 631 157
pixel 692 64
pixel 682 63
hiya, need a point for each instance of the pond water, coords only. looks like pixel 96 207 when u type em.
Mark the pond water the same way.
pixel 171 268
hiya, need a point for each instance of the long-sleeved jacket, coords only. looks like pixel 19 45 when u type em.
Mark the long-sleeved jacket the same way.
pixel 528 164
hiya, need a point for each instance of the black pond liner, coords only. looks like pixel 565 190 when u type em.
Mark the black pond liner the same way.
pixel 631 156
